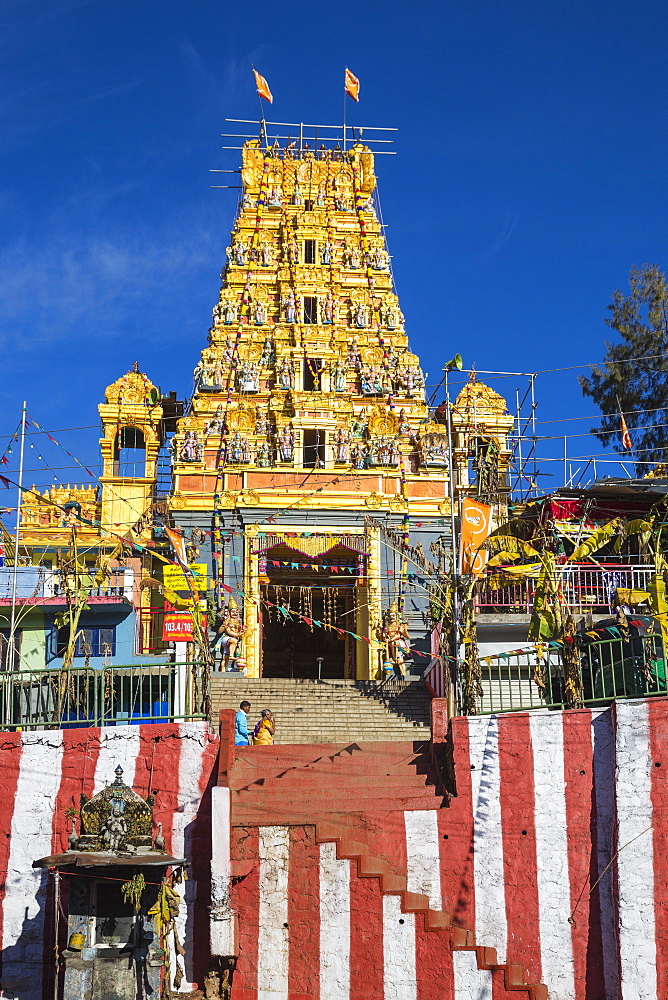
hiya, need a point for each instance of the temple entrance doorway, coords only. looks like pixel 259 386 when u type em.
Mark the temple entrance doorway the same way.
pixel 291 648
pixel 303 606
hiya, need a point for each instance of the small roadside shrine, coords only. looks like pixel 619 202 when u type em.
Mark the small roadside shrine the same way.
pixel 115 904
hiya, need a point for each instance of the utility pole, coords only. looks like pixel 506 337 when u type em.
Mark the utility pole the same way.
pixel 12 626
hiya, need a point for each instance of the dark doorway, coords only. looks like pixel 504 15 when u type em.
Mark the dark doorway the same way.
pixel 314 448
pixel 291 649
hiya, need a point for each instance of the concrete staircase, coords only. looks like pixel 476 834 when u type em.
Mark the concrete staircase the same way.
pixel 354 796
pixel 286 783
pixel 341 711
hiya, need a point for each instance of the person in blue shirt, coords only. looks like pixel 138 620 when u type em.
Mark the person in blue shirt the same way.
pixel 241 734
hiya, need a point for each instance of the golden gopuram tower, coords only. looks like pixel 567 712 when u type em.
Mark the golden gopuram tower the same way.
pixel 308 454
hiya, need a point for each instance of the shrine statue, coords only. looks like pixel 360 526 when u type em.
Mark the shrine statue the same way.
pixel 248 378
pixel 297 198
pixel 327 308
pixel 275 199
pixel 290 304
pixel 191 449
pixel 286 444
pixel 217 316
pixel 261 424
pixel 228 352
pixel 393 633
pixel 404 426
pixel 339 377
pixel 266 255
pixel 391 318
pixel 215 425
pixel 229 633
pixel 326 253
pixel 268 356
pixel 360 424
pixel 320 198
pixel 237 450
pixel 353 359
pixel 284 374
pixel 361 315
pixel 240 254
pixel 354 257
pixel 229 313
pixel 342 445
pixel 248 201
pixel 115 828
pixel 263 458
pixel 216 374
pixel 359 456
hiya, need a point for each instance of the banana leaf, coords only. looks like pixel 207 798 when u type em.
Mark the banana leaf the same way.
pixel 596 541
pixel 510 544
pixel 501 558
pixel 637 526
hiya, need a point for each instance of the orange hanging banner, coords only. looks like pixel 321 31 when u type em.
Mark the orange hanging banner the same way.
pixel 476 526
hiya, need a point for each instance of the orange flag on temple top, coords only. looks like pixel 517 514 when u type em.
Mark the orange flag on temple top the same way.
pixel 352 85
pixel 262 87
pixel 476 525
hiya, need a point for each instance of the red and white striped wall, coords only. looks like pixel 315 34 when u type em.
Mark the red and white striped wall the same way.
pixel 42 775
pixel 522 856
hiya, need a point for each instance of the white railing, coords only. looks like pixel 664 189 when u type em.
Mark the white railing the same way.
pixel 585 587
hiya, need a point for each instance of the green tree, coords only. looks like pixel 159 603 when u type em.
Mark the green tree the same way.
pixel 634 372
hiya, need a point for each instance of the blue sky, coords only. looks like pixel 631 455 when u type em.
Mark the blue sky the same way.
pixel 530 176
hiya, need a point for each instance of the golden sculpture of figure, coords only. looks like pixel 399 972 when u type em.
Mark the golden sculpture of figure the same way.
pixel 393 633
pixel 229 633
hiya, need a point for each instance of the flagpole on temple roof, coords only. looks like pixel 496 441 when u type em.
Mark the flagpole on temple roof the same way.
pixel 12 626
pixel 263 124
pixel 345 94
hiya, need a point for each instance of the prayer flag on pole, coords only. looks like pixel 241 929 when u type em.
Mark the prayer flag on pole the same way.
pixel 178 544
pixel 626 437
pixel 352 85
pixel 262 87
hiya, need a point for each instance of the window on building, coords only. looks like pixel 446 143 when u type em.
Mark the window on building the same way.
pixel 308 207
pixel 312 370
pixel 90 641
pixel 130 453
pixel 310 309
pixel 314 448
pixel 309 251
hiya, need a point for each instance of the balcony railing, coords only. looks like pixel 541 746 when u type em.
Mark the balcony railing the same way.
pixel 607 670
pixel 585 588
pixel 110 696
pixel 39 582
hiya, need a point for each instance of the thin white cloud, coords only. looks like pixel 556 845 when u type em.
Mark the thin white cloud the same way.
pixel 78 285
pixel 510 223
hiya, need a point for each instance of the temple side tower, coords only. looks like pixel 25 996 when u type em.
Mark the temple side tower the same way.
pixel 309 411
pixel 131 437
pixel 481 425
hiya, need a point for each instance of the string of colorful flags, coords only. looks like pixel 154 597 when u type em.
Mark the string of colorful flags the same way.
pixel 62 448
pixel 611 630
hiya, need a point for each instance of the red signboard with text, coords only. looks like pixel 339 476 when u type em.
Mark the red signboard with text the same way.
pixel 177 627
